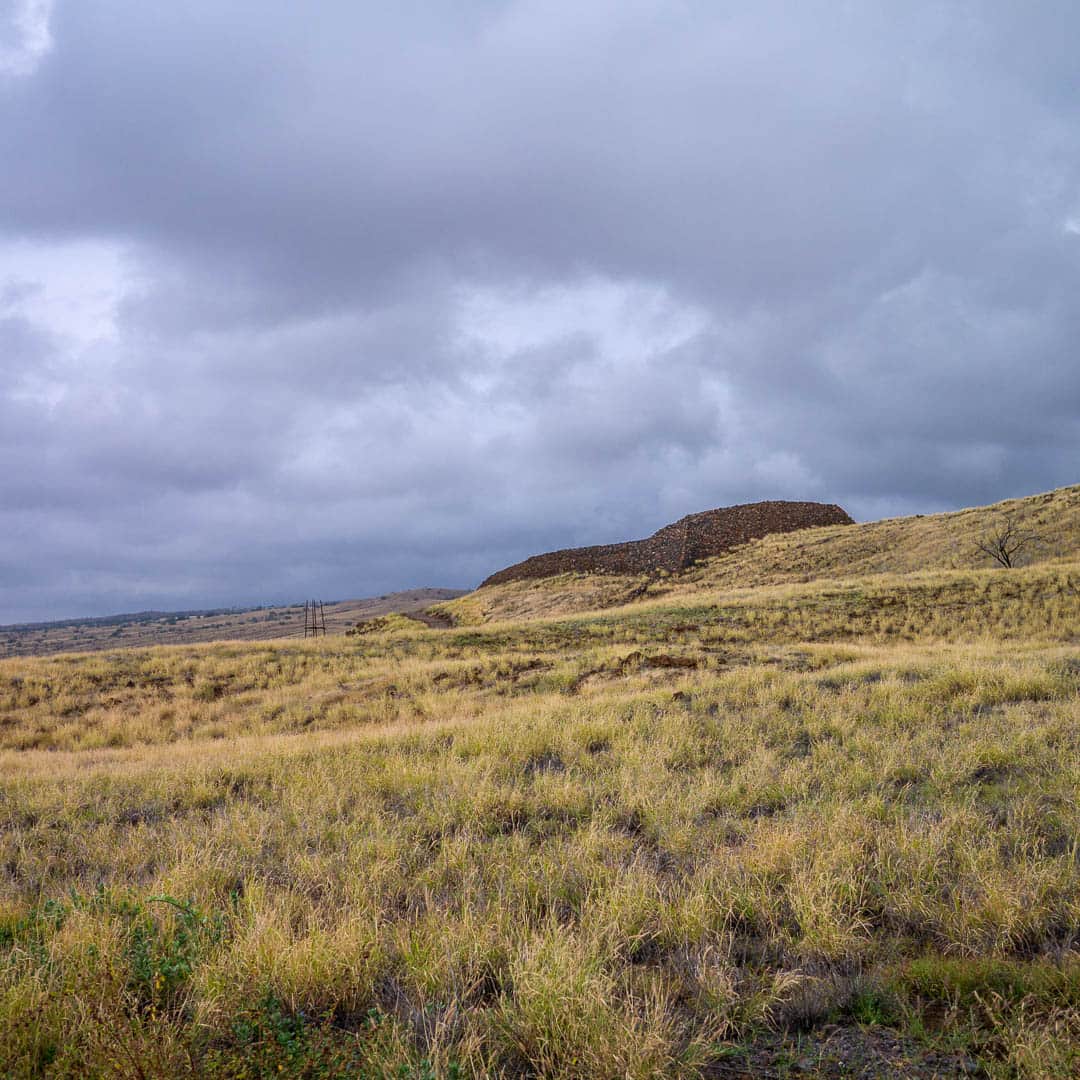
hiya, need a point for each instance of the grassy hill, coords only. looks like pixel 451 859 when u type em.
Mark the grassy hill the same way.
pixel 896 546
pixel 809 809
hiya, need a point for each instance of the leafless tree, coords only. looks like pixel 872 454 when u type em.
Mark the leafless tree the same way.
pixel 1005 540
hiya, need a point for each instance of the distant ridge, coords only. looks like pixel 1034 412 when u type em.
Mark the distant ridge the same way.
pixel 147 629
pixel 677 546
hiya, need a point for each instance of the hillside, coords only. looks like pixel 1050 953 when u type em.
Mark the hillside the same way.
pixel 678 546
pixel 944 543
pixel 769 818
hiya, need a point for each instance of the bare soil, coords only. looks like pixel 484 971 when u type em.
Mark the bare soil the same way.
pixel 844 1050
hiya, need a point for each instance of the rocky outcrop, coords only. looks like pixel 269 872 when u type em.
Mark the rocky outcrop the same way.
pixel 675 547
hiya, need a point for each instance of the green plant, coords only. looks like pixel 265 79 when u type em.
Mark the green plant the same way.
pixel 873 1006
pixel 162 958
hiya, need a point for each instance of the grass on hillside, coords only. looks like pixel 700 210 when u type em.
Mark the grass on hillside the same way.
pixel 945 546
pixel 633 842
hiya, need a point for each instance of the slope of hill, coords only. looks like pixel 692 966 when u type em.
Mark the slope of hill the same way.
pixel 934 542
pixel 904 545
pixel 677 546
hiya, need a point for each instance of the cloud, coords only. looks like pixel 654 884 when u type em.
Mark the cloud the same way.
pixel 335 302
pixel 24 36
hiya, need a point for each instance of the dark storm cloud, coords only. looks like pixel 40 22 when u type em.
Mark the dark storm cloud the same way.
pixel 391 295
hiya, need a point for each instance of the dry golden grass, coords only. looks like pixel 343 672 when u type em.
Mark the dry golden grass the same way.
pixel 625 842
pixel 897 546
pixel 902 545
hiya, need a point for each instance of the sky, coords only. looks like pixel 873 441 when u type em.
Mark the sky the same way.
pixel 336 299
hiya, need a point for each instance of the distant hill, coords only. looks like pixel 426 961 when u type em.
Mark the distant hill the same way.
pixel 184 627
pixel 894 546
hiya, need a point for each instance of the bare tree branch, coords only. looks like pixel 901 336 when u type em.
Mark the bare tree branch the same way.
pixel 1006 540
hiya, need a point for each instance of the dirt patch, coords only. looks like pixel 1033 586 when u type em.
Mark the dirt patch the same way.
pixel 862 1053
pixel 435 619
pixel 637 660
pixel 548 761
pixel 666 660
pixel 993 774
pixel 478 676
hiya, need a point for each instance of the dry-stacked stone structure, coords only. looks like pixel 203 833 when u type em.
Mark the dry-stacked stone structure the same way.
pixel 677 546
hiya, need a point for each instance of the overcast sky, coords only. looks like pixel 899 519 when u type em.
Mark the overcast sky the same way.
pixel 333 299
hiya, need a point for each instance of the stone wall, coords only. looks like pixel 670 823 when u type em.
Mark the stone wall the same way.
pixel 677 546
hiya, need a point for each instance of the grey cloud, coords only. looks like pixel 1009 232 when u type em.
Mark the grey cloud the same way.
pixel 839 236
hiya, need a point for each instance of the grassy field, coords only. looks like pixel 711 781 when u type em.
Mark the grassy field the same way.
pixel 814 827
